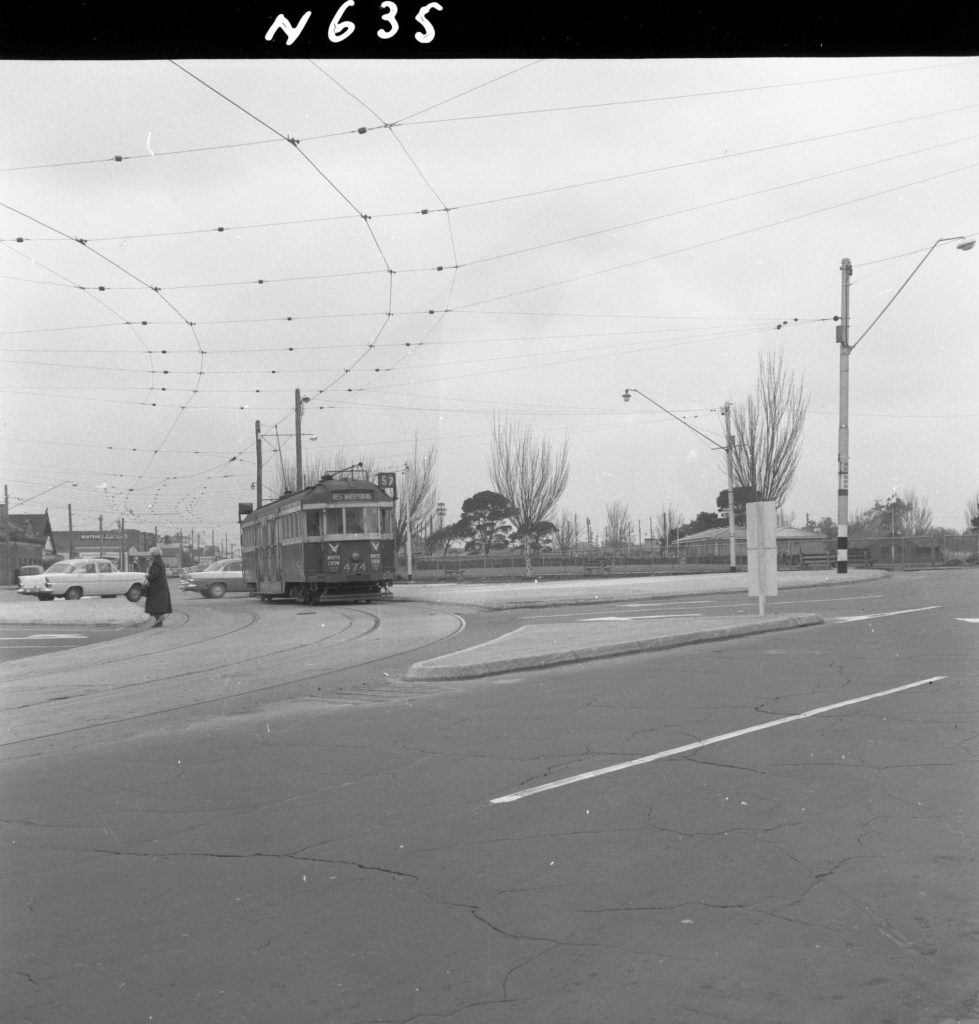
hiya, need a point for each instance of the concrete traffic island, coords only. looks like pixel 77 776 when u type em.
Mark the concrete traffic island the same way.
pixel 542 646
pixel 89 611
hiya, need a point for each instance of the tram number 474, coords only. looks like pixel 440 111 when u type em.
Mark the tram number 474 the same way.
pixel 355 567
pixel 342 28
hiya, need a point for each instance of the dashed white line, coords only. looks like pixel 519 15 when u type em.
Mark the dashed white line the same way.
pixel 700 744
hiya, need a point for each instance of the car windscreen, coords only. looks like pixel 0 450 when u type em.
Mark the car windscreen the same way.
pixel 62 567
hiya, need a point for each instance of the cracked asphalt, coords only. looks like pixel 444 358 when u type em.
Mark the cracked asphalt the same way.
pixel 317 859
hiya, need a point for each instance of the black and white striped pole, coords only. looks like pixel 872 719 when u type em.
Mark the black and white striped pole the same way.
pixel 843 478
pixel 843 340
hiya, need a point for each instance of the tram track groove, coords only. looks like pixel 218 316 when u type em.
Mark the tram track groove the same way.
pixel 323 672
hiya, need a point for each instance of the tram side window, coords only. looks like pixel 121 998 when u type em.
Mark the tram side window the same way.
pixel 313 523
pixel 371 520
pixel 385 523
pixel 334 520
pixel 355 520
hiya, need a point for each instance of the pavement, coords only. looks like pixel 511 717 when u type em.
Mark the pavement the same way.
pixel 530 646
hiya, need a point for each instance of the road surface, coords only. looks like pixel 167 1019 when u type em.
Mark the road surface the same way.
pixel 773 828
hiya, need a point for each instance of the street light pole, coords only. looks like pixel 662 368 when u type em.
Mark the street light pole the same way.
pixel 843 459
pixel 843 340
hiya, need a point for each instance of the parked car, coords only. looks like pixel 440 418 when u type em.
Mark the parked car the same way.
pixel 82 577
pixel 217 579
pixel 29 570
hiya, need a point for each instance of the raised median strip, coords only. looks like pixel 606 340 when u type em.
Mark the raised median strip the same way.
pixel 569 643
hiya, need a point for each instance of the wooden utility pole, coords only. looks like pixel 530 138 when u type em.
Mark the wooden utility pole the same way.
pixel 299 442
pixel 8 568
pixel 258 464
pixel 729 448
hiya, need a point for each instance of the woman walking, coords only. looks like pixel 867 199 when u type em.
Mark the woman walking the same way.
pixel 158 590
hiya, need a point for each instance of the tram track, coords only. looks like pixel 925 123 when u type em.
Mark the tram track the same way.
pixel 322 672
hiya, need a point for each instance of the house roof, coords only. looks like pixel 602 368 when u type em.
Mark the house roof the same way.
pixel 30 527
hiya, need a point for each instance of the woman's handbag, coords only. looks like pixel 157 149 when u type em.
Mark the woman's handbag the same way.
pixel 144 590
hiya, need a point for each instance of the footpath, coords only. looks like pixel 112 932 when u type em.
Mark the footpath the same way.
pixel 535 645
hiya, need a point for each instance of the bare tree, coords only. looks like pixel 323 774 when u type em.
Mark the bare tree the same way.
pixel 916 514
pixel 317 466
pixel 768 431
pixel 416 492
pixel 567 532
pixel 972 513
pixel 530 474
pixel 617 525
pixel 668 521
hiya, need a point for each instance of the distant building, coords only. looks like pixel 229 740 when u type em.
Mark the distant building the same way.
pixel 24 540
pixel 123 547
pixel 794 544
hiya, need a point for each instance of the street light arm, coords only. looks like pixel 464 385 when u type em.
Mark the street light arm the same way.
pixel 954 238
pixel 625 397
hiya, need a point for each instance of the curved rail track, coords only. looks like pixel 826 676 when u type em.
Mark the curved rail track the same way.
pixel 107 659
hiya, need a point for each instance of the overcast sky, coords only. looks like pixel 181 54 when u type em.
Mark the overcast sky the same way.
pixel 421 246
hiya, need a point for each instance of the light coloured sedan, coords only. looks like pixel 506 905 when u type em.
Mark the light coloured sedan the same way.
pixel 217 579
pixel 75 578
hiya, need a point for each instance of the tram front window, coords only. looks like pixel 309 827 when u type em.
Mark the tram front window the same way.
pixel 355 520
pixel 334 520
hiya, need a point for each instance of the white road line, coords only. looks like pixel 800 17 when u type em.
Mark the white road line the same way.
pixel 55 636
pixel 884 615
pixel 700 744
pixel 630 618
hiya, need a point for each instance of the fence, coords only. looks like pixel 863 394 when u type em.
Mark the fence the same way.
pixel 910 552
pixel 579 562
pixel 882 552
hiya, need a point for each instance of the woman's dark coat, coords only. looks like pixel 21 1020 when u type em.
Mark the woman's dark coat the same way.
pixel 158 599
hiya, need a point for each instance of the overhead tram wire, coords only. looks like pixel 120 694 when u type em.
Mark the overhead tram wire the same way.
pixel 320 173
pixel 613 179
pixel 407 350
pixel 687 96
pixel 455 266
pixel 122 321
pixel 118 266
pixel 717 202
pixel 721 238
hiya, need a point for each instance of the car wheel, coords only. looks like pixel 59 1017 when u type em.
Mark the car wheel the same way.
pixel 73 593
pixel 133 593
pixel 216 590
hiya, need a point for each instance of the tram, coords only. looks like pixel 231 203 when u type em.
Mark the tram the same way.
pixel 332 542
